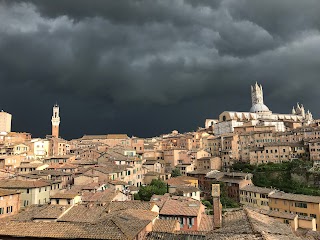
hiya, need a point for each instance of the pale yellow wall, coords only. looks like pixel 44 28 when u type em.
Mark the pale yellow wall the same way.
pixel 254 199
pixel 34 196
pixel 289 206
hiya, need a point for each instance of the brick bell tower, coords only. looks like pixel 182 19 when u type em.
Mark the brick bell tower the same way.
pixel 55 120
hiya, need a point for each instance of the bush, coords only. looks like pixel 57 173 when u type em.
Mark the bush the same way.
pixel 157 187
pixel 225 200
pixel 175 172
pixel 207 203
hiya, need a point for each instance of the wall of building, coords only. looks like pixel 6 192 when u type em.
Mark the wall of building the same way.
pixel 290 206
pixel 9 205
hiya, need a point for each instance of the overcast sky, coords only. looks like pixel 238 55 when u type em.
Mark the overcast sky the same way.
pixel 146 67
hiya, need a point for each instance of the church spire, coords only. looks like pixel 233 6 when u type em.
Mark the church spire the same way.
pixel 257 94
pixel 257 100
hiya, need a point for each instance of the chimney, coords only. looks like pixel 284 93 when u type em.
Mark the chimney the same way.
pixel 217 207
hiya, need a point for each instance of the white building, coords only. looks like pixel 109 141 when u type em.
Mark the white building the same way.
pixel 259 115
pixel 40 147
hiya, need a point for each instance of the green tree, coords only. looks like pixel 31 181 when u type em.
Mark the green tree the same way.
pixel 157 187
pixel 175 172
pixel 225 200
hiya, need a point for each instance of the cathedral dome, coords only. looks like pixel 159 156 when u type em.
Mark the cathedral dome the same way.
pixel 259 107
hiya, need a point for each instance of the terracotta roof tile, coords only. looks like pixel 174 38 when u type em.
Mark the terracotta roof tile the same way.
pixel 180 208
pixel 252 188
pixel 84 214
pixel 160 200
pixel 132 221
pixel 99 197
pixel 164 225
pixel 187 189
pixel 6 192
pixel 65 195
pixel 51 212
pixel 116 206
pixel 60 230
pixel 19 184
pixel 206 223
pixel 295 197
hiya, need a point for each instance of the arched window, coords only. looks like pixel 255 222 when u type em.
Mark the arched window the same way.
pixel 224 118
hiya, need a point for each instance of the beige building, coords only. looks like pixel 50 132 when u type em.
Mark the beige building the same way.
pixel 276 153
pixel 256 197
pixel 14 137
pixel 225 147
pixel 5 122
pixel 9 202
pixel 20 149
pixel 184 168
pixel 314 149
pixel 213 163
pixel 301 205
pixel 65 199
pixel 11 162
pixel 293 220
pixel 173 155
pixel 58 147
pixel 154 166
pixel 32 192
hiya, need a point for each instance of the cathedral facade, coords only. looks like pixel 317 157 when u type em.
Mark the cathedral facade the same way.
pixel 259 115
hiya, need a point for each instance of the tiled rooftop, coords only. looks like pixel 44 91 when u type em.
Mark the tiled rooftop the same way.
pixel 116 206
pixel 174 236
pixel 84 214
pixel 61 230
pixel 187 189
pixel 19 184
pixel 295 197
pixel 65 195
pixel 99 197
pixel 180 207
pixel 252 188
pixel 165 225
pixel 180 181
pixel 206 223
pixel 132 221
pixel 6 192
pixel 269 227
pixel 50 212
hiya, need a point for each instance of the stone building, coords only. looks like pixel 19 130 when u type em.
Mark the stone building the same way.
pixel 5 122
pixel 301 205
pixel 260 115
pixel 9 202
pixel 256 197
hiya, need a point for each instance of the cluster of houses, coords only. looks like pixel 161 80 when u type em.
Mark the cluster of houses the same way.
pixel 52 188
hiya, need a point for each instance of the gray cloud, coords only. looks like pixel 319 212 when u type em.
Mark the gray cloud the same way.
pixel 161 55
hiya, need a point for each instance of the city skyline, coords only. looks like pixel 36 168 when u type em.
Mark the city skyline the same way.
pixel 145 69
pixel 56 116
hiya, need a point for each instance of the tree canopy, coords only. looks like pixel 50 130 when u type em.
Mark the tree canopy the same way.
pixel 175 172
pixel 156 186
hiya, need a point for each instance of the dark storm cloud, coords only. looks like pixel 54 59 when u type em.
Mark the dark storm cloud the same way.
pixel 124 54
